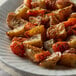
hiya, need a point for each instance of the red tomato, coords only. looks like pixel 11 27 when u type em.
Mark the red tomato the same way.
pixel 41 56
pixel 72 20
pixel 67 24
pixel 17 48
pixel 20 39
pixel 60 46
pixel 28 3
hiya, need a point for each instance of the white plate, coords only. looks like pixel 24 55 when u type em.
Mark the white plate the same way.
pixel 14 61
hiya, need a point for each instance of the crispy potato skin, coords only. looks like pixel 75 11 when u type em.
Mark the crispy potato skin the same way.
pixel 31 51
pixel 71 50
pixel 36 30
pixel 14 21
pixel 57 31
pixel 34 41
pixel 51 61
pixel 73 15
pixel 19 31
pixel 21 11
pixel 72 41
pixel 63 3
pixel 68 59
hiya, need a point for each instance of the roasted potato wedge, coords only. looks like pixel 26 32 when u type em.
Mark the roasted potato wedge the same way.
pixel 50 4
pixel 31 51
pixel 51 61
pixel 21 11
pixel 62 3
pixel 34 41
pixel 68 59
pixel 57 31
pixel 53 19
pixel 28 3
pixel 71 50
pixel 72 41
pixel 36 30
pixel 62 14
pixel 48 45
pixel 19 31
pixel 38 3
pixel 73 15
pixel 14 21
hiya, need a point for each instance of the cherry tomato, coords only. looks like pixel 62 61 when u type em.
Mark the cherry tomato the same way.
pixel 35 12
pixel 17 48
pixel 41 56
pixel 60 46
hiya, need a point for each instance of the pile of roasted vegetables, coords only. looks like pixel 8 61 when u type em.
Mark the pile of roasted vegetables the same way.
pixel 44 31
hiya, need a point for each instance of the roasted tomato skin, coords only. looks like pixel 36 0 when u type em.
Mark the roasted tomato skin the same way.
pixel 17 48
pixel 60 46
pixel 72 21
pixel 36 12
pixel 41 56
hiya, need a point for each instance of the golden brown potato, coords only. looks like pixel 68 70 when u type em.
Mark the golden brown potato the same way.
pixel 62 14
pixel 38 3
pixel 71 50
pixel 14 21
pixel 57 31
pixel 36 30
pixel 72 41
pixel 31 51
pixel 51 61
pixel 73 15
pixel 68 59
pixel 48 45
pixel 62 3
pixel 19 31
pixel 53 19
pixel 36 40
pixel 21 11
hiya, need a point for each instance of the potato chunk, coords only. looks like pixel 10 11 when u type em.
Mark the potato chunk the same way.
pixel 63 13
pixel 63 3
pixel 73 15
pixel 14 21
pixel 56 31
pixel 72 41
pixel 48 45
pixel 21 11
pixel 68 59
pixel 34 41
pixel 51 61
pixel 31 51
pixel 19 31
pixel 36 30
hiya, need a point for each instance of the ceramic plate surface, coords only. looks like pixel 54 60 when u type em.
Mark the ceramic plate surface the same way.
pixel 14 61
